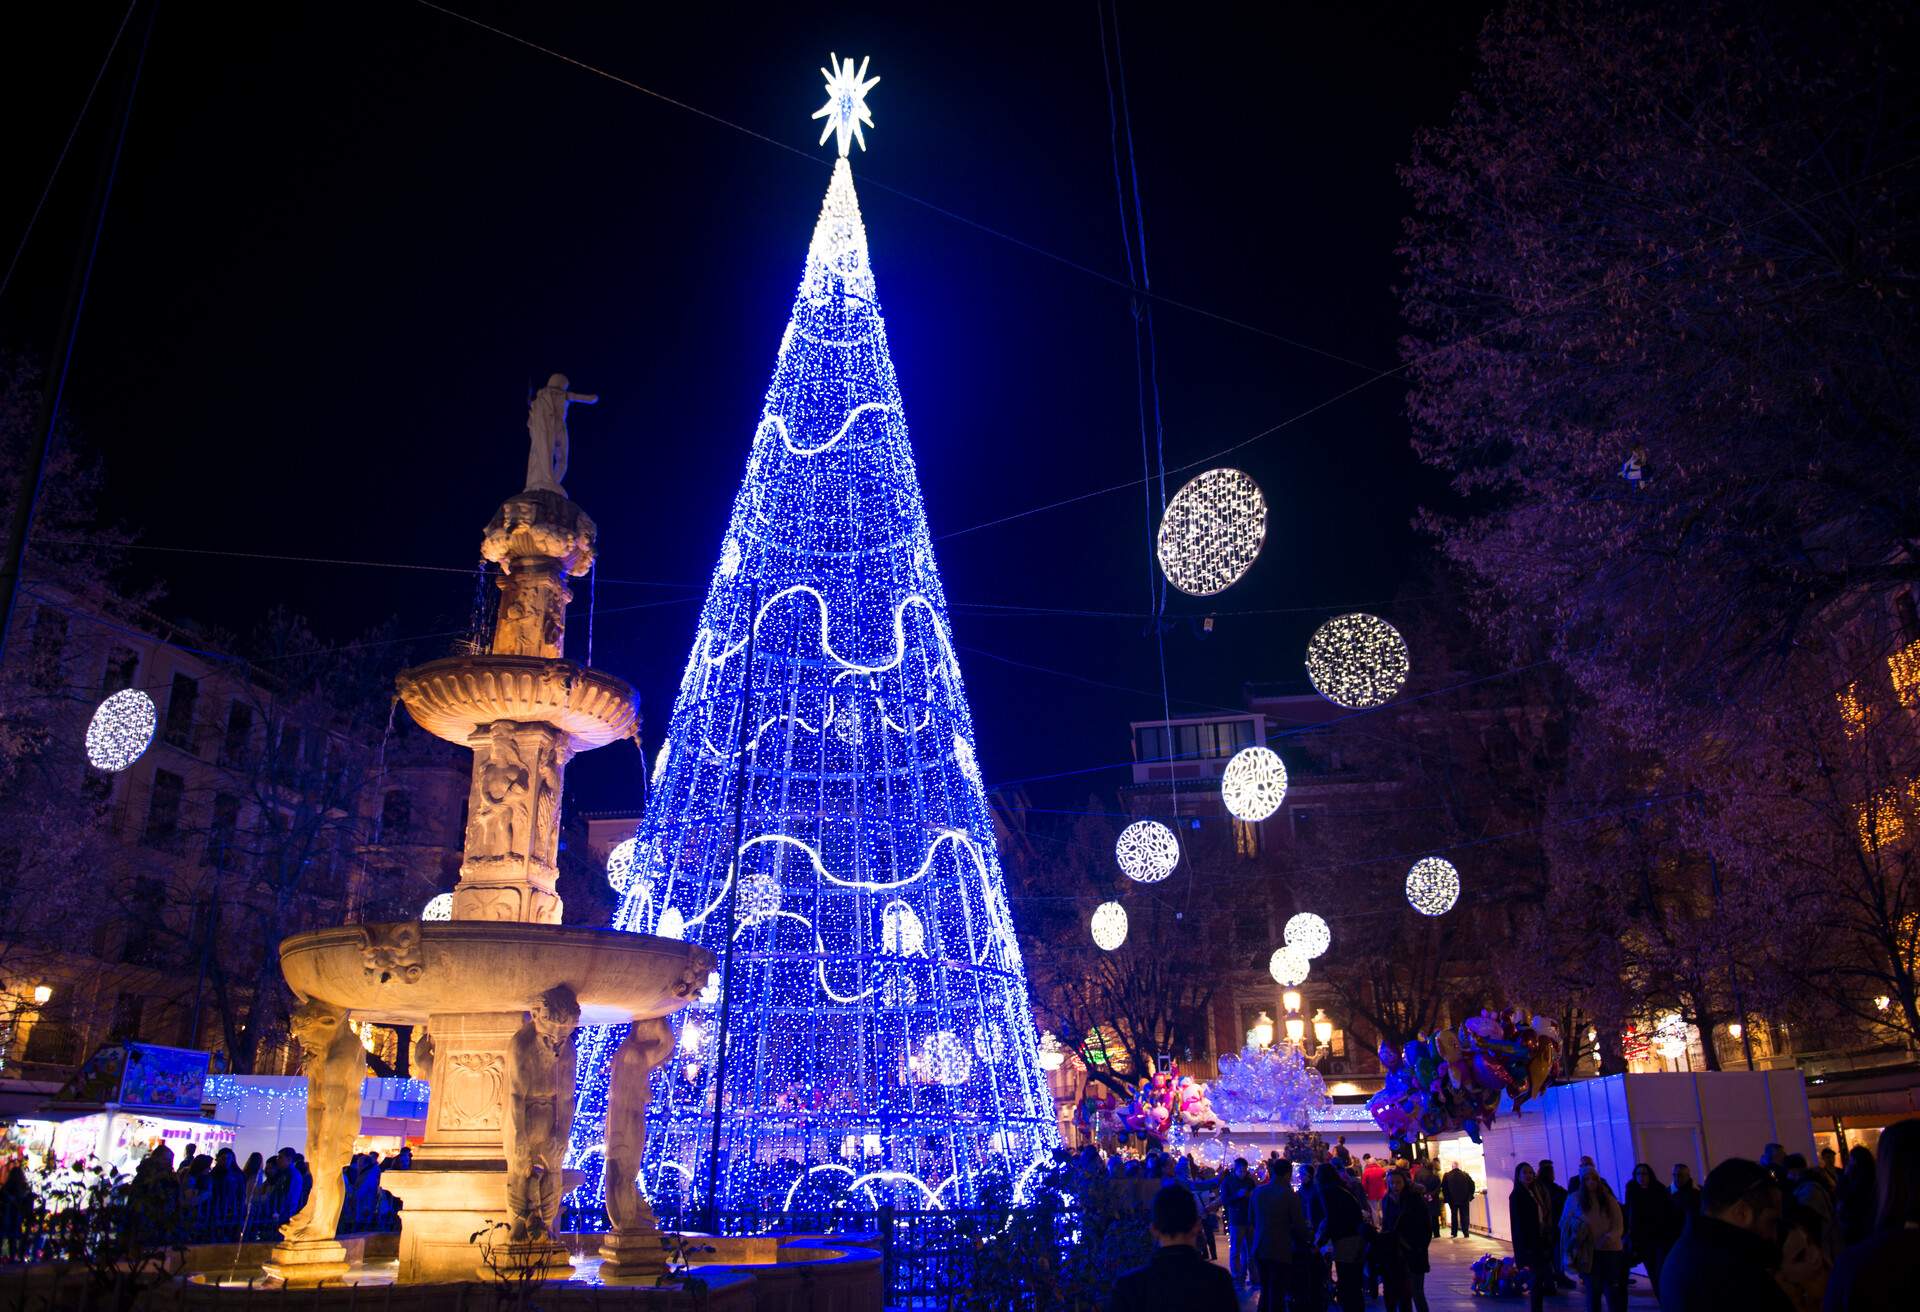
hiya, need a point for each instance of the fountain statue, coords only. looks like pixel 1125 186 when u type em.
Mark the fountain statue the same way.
pixel 496 993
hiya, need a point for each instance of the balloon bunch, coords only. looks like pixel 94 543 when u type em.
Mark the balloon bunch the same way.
pixel 1269 1086
pixel 1166 1100
pixel 1500 1277
pixel 1453 1080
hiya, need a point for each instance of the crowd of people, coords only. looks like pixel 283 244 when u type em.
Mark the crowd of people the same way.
pixel 1780 1234
pixel 215 1197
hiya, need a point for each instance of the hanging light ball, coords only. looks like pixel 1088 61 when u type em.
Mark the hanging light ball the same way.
pixel 902 933
pixel 1254 784
pixel 621 873
pixel 121 730
pixel 1109 926
pixel 759 896
pixel 945 1058
pixel 1433 886
pixel 1670 1035
pixel 1212 532
pixel 1357 661
pixel 1147 851
pixel 1289 967
pixel 1308 934
pixel 438 907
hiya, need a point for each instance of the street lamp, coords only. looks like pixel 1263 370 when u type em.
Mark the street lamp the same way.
pixel 1296 1029
pixel 1322 1028
pixel 1261 1035
pixel 1735 1029
pixel 1052 1055
pixel 1291 999
pixel 42 994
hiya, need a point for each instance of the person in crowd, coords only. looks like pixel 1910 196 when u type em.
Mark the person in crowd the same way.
pixel 1686 1196
pixel 1401 1251
pixel 1807 1188
pixel 1426 1178
pixel 1236 1189
pixel 1829 1168
pixel 1804 1263
pixel 1856 1198
pixel 1882 1271
pixel 1373 1179
pixel 1532 1229
pixel 1653 1222
pixel 1177 1276
pixel 1774 1158
pixel 16 1205
pixel 1341 1152
pixel 1458 1187
pixel 1726 1255
pixel 1279 1227
pixel 1556 1198
pixel 1593 1239
pixel 1342 1236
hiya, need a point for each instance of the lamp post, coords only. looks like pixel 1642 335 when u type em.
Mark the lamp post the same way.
pixel 1296 1025
pixel 1261 1035
pixel 1322 1028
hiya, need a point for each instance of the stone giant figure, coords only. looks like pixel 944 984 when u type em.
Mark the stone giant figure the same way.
pixel 336 1064
pixel 547 425
pixel 541 1067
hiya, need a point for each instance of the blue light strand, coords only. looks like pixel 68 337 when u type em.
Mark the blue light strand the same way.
pixel 880 1023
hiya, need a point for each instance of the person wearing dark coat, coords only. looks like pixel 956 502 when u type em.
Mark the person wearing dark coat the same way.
pixel 1177 1276
pixel 1653 1222
pixel 1726 1255
pixel 1405 1232
pixel 1279 1230
pixel 1882 1271
pixel 1857 1199
pixel 1343 1236
pixel 1458 1187
pixel 1686 1195
pixel 1533 1233
pixel 1556 1197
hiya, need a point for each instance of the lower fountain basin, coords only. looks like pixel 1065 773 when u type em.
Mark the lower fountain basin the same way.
pixel 400 973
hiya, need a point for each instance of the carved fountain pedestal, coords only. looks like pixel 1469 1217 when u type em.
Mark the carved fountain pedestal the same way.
pixel 499 989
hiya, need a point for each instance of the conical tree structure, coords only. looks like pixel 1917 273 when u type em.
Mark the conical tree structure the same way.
pixel 880 1042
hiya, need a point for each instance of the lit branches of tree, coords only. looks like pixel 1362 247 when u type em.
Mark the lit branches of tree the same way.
pixel 1689 233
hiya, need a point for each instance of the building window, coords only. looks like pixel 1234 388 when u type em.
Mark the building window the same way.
pixel 180 704
pixel 49 646
pixel 1153 744
pixel 396 815
pixel 226 821
pixel 239 739
pixel 121 667
pixel 163 810
pixel 1306 823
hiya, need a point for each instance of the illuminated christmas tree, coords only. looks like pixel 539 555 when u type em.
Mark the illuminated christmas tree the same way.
pixel 880 1046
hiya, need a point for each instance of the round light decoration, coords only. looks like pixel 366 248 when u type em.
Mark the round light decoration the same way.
pixel 620 865
pixel 672 924
pixel 1147 851
pixel 946 1058
pixel 1307 934
pixel 1212 532
pixel 1254 785
pixel 1109 926
pixel 1433 886
pixel 759 896
pixel 987 1042
pixel 1670 1035
pixel 121 730
pixel 1357 661
pixel 438 907
pixel 1289 967
pixel 963 756
pixel 902 933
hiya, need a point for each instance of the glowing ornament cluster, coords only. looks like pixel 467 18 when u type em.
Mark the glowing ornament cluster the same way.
pixel 1268 1086
pixel 121 730
pixel 1670 1035
pixel 620 865
pixel 1433 886
pixel 438 907
pixel 817 814
pixel 1109 926
pixel 1254 784
pixel 1212 532
pixel 1147 851
pixel 1357 661
pixel 1307 934
pixel 1289 967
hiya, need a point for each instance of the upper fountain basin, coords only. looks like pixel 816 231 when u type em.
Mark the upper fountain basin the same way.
pixel 453 697
pixel 400 973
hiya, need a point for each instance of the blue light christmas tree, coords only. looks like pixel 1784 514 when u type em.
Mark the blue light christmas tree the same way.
pixel 880 1047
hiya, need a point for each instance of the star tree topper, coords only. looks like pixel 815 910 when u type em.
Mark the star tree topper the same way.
pixel 846 107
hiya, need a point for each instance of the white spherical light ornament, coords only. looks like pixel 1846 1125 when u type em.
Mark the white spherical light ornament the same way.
pixel 1109 926
pixel 945 1058
pixel 1433 886
pixel 1254 785
pixel 1147 851
pixel 902 932
pixel 1289 967
pixel 1308 934
pixel 759 896
pixel 1670 1036
pixel 438 907
pixel 621 873
pixel 1212 532
pixel 1357 661
pixel 121 730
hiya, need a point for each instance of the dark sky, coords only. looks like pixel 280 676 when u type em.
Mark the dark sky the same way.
pixel 347 236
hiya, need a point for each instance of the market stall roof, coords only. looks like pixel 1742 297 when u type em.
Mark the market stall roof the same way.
pixel 20 1099
pixel 58 1112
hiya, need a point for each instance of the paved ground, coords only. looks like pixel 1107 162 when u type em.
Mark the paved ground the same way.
pixel 1451 1280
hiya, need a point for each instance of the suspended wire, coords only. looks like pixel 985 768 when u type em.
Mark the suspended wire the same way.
pixel 65 147
pixel 107 545
pixel 813 158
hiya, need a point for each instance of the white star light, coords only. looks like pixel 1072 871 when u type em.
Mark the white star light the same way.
pixel 846 107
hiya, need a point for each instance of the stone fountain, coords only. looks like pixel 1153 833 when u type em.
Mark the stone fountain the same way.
pixel 496 992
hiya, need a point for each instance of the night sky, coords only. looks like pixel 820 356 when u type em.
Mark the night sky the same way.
pixel 346 238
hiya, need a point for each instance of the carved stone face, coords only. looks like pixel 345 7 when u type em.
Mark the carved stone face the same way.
pixel 314 1024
